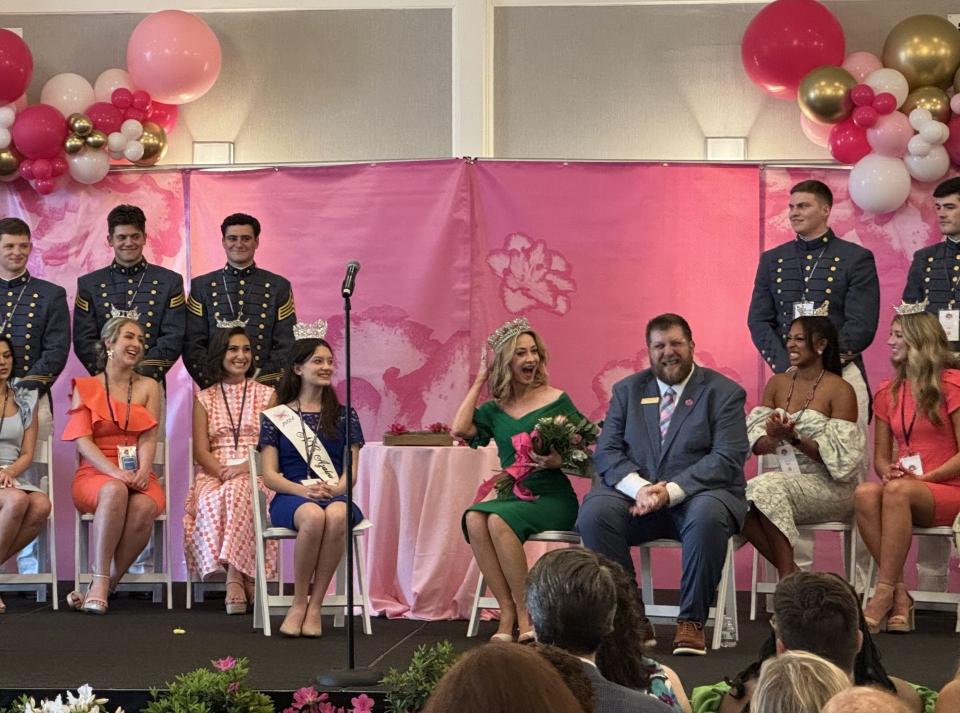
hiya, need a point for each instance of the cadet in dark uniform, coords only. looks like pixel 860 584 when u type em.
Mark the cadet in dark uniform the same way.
pixel 132 287
pixel 817 273
pixel 240 294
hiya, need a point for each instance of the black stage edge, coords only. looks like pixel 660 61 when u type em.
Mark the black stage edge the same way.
pixel 133 648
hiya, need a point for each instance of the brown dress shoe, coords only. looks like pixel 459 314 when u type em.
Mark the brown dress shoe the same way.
pixel 689 640
pixel 648 635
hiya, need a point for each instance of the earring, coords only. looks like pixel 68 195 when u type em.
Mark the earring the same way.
pixel 820 351
pixel 109 353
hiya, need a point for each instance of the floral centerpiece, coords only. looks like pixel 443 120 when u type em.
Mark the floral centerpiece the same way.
pixel 436 434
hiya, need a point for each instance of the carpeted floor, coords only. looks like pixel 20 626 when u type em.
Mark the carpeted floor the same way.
pixel 135 647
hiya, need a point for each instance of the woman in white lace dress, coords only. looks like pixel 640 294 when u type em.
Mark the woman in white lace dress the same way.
pixel 807 428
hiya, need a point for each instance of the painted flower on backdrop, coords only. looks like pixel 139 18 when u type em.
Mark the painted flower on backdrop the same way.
pixel 531 275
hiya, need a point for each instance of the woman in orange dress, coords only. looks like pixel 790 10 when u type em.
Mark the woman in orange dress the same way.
pixel 114 424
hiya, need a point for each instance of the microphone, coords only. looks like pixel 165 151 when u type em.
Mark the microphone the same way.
pixel 353 267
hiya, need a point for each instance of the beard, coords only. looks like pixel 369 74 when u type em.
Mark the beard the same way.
pixel 673 373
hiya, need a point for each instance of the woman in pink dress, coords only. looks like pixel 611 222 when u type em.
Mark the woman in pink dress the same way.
pixel 919 411
pixel 218 530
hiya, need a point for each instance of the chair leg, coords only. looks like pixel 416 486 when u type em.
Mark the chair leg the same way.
pixel 753 586
pixel 474 625
pixel 361 576
pixel 261 603
pixel 646 575
pixel 868 584
pixel 341 578
pixel 721 608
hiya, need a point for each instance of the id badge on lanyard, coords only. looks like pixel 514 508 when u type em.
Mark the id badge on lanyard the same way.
pixel 803 309
pixel 950 321
pixel 127 457
pixel 787 459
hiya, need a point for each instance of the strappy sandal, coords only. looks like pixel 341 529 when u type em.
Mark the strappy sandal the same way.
pixel 93 605
pixel 236 604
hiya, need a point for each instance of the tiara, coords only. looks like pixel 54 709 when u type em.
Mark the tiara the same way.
pixel 823 310
pixel 506 332
pixel 231 323
pixel 317 330
pixel 905 308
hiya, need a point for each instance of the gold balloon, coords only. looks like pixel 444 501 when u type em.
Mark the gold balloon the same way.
pixel 8 163
pixel 97 139
pixel 824 94
pixel 932 99
pixel 73 144
pixel 925 49
pixel 80 124
pixel 154 142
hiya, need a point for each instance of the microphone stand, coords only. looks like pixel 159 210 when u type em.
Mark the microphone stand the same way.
pixel 350 676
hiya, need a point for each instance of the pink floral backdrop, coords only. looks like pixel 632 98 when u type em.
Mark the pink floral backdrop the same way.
pixel 450 249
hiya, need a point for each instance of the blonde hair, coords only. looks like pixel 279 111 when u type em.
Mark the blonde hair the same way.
pixel 797 682
pixel 109 333
pixel 864 699
pixel 928 354
pixel 501 378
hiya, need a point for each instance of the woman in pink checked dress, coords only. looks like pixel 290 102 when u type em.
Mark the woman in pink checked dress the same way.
pixel 218 524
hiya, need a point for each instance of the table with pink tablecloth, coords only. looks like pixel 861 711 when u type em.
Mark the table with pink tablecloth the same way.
pixel 418 564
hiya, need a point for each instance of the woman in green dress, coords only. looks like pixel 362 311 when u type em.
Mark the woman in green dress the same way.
pixel 497 528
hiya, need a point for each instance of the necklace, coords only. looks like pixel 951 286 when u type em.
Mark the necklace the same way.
pixel 126 422
pixel 9 317
pixel 235 429
pixel 813 389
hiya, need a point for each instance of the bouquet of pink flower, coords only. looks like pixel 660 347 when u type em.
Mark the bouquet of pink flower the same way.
pixel 571 438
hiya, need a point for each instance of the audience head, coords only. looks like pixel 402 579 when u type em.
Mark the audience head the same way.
pixel 815 338
pixel 818 612
pixel 127 233
pixel 121 339
pixel 571 599
pixel 946 199
pixel 670 345
pixel 519 356
pixel 15 247
pixel 571 671
pixel 310 370
pixel 809 208
pixel 502 678
pixel 797 682
pixel 864 699
pixel 7 359
pixel 919 352
pixel 621 652
pixel 241 238
pixel 229 355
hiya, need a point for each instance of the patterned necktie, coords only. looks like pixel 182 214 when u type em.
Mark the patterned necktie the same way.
pixel 667 404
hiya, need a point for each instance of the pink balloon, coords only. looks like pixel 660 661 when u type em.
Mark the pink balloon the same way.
pixel 164 115
pixel 786 40
pixel 59 166
pixel 861 95
pixel 135 114
pixel 884 103
pixel 121 98
pixel 865 116
pixel 45 186
pixel 176 57
pixel 39 131
pixel 42 168
pixel 848 142
pixel 141 100
pixel 952 144
pixel 16 66
pixel 860 64
pixel 817 133
pixel 890 135
pixel 105 117
pixel 26 169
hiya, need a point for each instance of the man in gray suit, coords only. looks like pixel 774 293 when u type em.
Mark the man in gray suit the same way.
pixel 671 458
pixel 572 600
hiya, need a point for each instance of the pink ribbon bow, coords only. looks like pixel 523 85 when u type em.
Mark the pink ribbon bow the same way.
pixel 521 468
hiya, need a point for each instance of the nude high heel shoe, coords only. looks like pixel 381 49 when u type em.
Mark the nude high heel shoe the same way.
pixel 897 621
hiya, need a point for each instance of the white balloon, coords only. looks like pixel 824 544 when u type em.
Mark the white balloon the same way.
pixel 68 93
pixel 7 116
pixel 133 151
pixel 110 80
pixel 930 131
pixel 5 138
pixel 919 117
pixel 879 184
pixel 891 81
pixel 944 134
pixel 132 129
pixel 116 142
pixel 918 147
pixel 89 165
pixel 931 167
pixel 116 155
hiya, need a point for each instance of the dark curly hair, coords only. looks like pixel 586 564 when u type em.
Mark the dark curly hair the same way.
pixel 621 653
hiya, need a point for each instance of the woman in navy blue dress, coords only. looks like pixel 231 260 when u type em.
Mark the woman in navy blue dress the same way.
pixel 308 426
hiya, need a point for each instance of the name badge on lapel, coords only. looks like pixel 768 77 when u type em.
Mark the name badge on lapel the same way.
pixel 649 400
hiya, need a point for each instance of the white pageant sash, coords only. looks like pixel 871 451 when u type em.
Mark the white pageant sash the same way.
pixel 287 420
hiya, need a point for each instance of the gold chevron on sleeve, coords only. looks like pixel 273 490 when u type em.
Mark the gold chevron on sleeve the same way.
pixel 287 309
pixel 195 306
pixel 176 301
pixel 83 304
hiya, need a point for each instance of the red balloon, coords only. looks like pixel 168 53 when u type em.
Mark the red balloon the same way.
pixel 865 116
pixel 121 98
pixel 42 168
pixel 16 66
pixel 26 169
pixel 105 116
pixel 45 186
pixel 59 165
pixel 952 144
pixel 137 114
pixel 861 95
pixel 885 103
pixel 848 142
pixel 39 131
pixel 164 115
pixel 141 100
pixel 786 40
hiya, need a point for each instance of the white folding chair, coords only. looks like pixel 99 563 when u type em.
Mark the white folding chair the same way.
pixel 196 587
pixel 266 604
pixel 768 584
pixel 46 549
pixel 921 596
pixel 481 602
pixel 664 613
pixel 161 578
